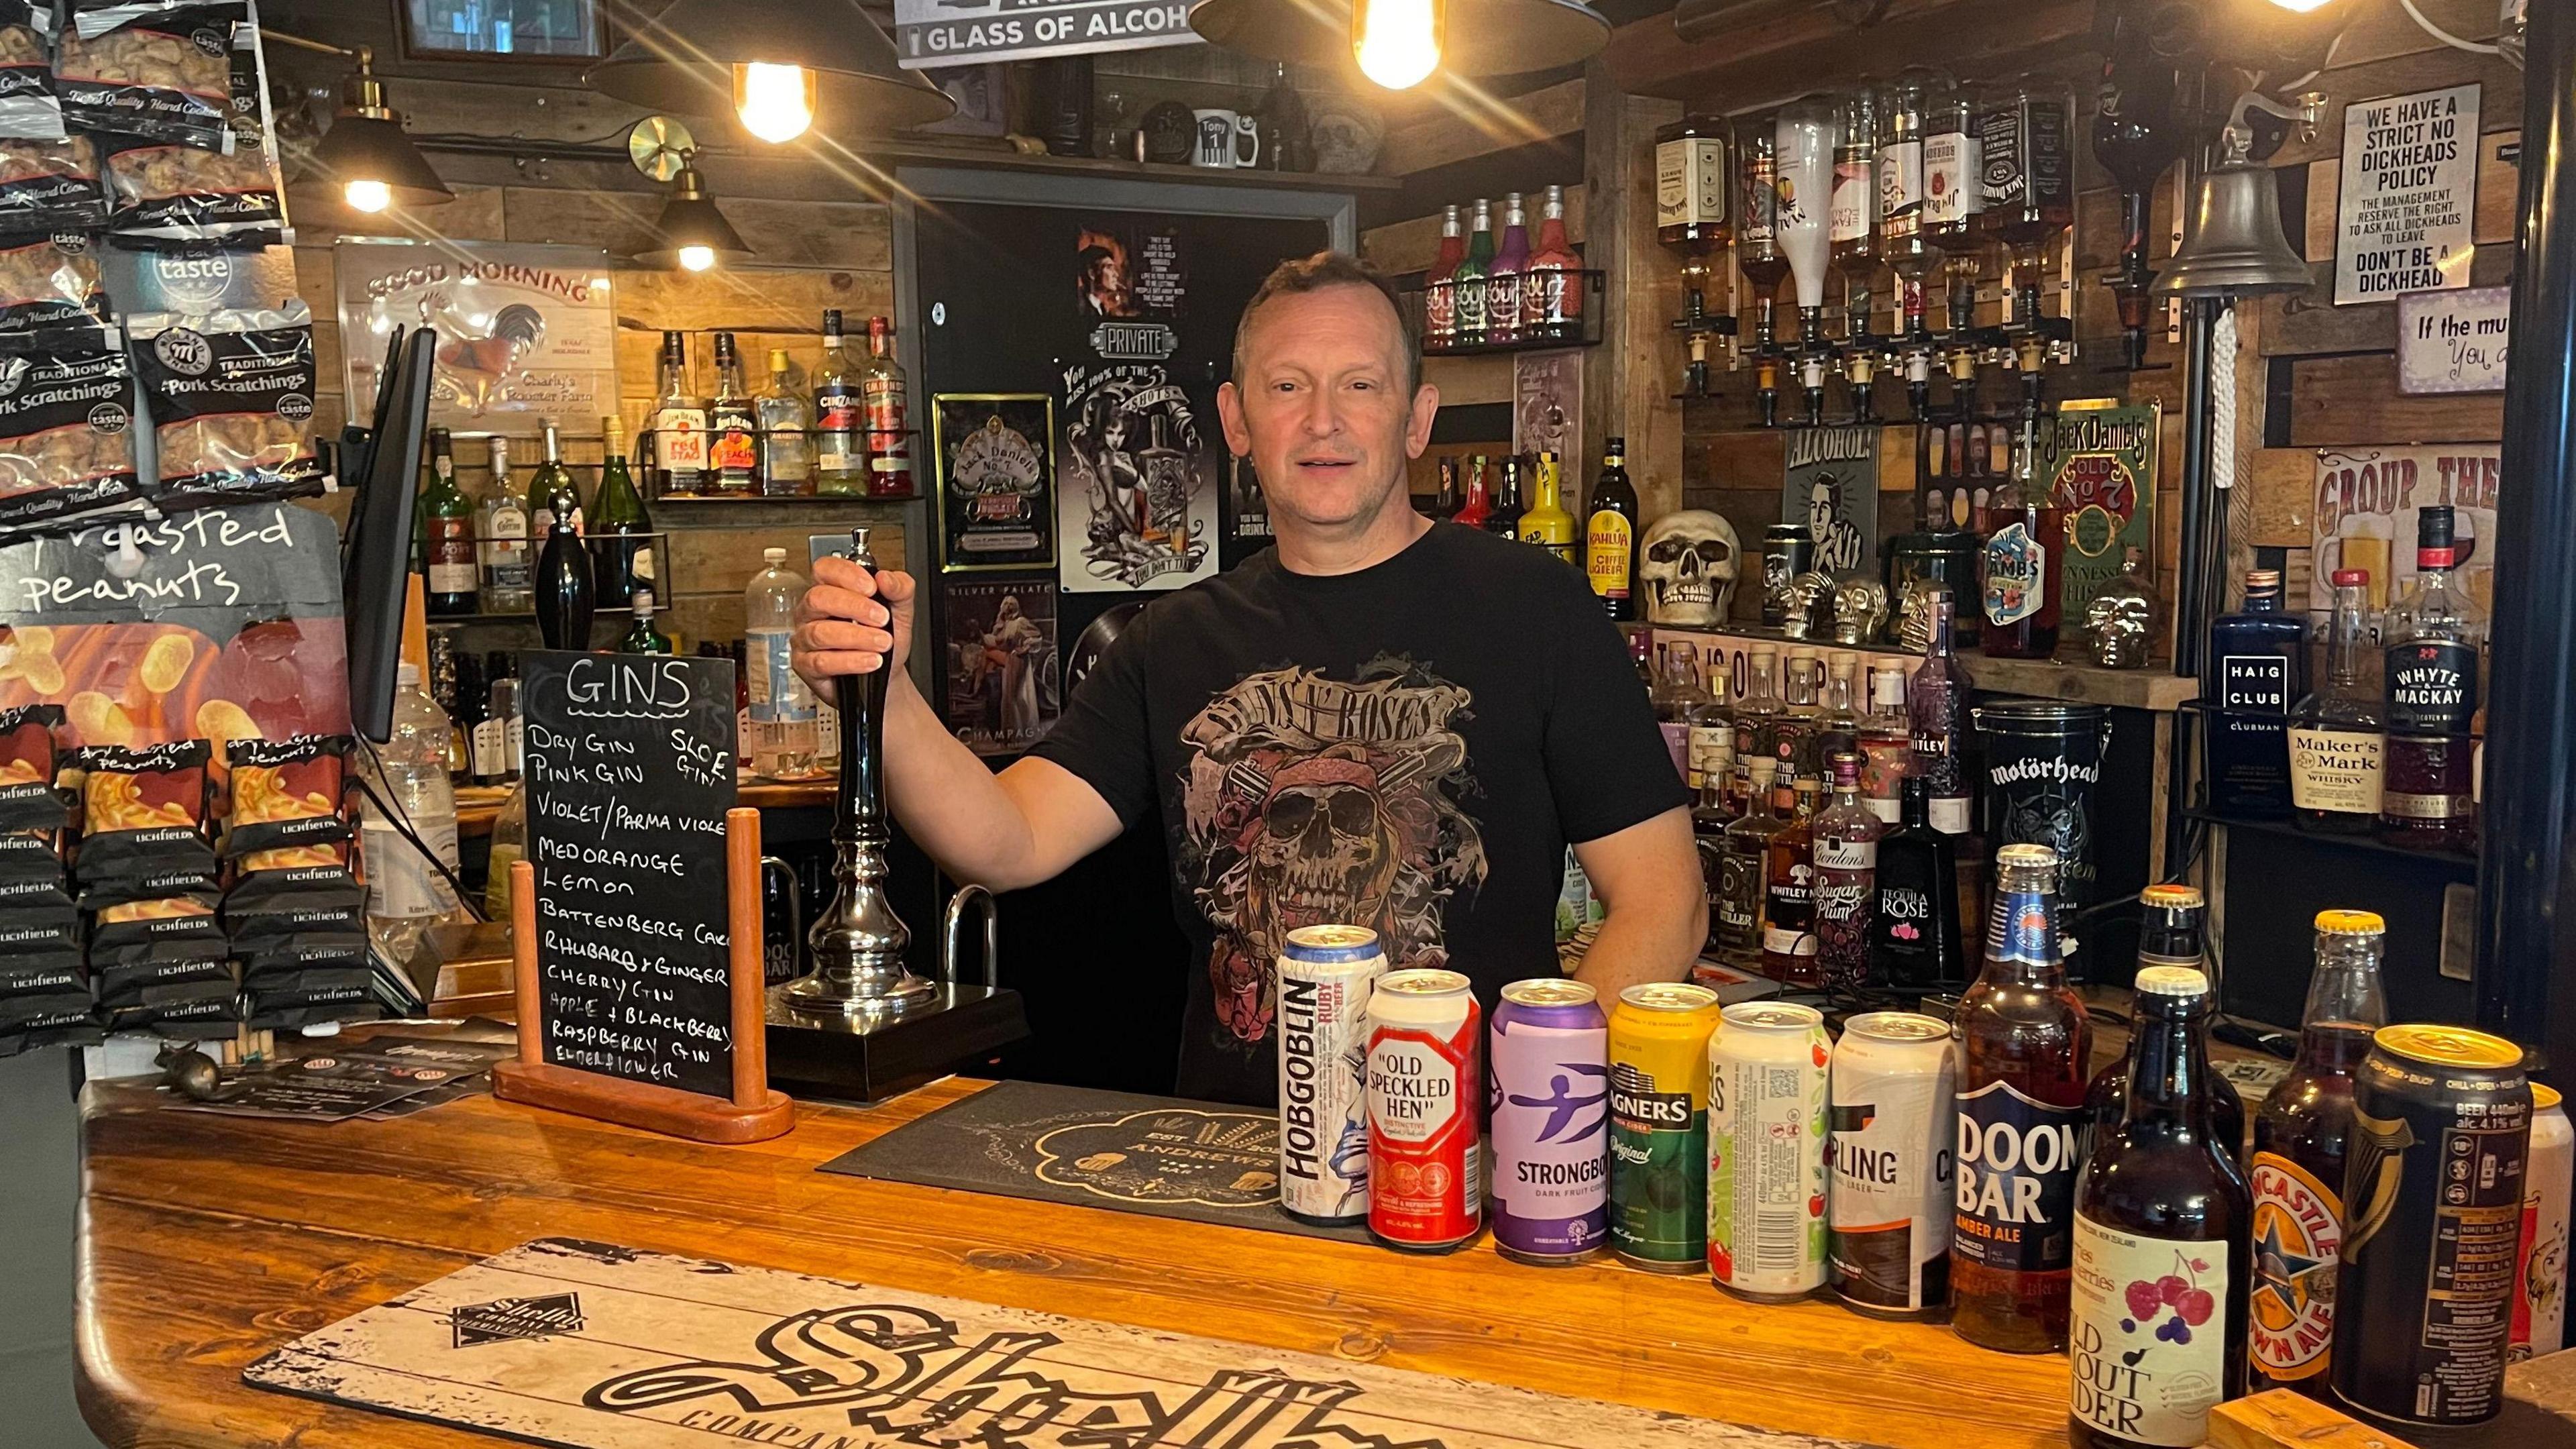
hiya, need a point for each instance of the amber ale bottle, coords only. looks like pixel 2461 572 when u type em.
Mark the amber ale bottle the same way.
pixel 2162 1261
pixel 2023 1041
pixel 2300 1138
pixel 2169 933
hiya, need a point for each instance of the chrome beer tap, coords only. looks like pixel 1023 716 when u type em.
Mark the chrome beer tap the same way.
pixel 857 941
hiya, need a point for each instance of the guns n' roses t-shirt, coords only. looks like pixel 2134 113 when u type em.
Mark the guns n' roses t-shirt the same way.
pixel 1409 748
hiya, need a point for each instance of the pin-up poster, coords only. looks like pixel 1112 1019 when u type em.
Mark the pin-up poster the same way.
pixel 525 333
pixel 2365 508
pixel 996 454
pixel 1005 683
pixel 1136 507
pixel 1832 485
pixel 2101 467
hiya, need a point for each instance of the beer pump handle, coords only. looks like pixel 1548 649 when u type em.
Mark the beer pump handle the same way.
pixel 862 699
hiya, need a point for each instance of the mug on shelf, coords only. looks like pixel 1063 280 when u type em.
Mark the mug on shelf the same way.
pixel 1226 140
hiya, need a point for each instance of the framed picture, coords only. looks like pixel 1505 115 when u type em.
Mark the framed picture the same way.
pixel 565 30
pixel 1004 684
pixel 525 331
pixel 996 482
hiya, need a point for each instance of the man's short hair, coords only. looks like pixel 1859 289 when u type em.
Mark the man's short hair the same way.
pixel 1314 274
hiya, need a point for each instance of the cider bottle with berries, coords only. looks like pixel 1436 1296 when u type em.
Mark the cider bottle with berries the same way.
pixel 2163 1261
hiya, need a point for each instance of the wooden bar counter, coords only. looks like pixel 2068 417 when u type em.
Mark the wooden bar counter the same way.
pixel 208 1241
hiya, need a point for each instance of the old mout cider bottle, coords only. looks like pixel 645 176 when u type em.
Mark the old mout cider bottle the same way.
pixel 2169 934
pixel 2300 1142
pixel 2023 1040
pixel 2162 1260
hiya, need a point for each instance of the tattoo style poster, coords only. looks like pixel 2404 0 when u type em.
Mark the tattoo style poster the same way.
pixel 1832 486
pixel 1004 682
pixel 996 480
pixel 1137 508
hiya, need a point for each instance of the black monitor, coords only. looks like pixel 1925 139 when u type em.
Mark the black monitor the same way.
pixel 375 572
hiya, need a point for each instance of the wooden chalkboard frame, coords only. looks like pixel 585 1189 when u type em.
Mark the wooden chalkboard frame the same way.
pixel 754 1113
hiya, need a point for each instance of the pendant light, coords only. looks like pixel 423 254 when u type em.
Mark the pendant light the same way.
pixel 1399 43
pixel 692 234
pixel 365 153
pixel 779 65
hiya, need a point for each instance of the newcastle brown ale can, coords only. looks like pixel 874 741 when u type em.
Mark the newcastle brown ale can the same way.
pixel 2433 1182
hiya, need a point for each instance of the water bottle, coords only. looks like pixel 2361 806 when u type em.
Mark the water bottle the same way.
pixel 783 716
pixel 405 893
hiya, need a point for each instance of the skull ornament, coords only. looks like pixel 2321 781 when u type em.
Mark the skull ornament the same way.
pixel 1687 565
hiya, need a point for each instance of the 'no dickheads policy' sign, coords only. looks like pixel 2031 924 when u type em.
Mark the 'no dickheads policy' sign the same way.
pixel 630 770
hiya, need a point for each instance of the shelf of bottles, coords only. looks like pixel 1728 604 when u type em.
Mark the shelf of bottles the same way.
pixel 1493 287
pixel 759 482
pixel 1570 316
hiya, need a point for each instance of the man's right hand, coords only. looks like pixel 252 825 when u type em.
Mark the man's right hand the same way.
pixel 851 623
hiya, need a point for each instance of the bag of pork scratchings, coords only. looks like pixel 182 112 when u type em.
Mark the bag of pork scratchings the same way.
pixel 230 394
pixel 165 72
pixel 66 424
pixel 28 105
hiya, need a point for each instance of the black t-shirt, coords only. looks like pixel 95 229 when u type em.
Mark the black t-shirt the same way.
pixel 1410 748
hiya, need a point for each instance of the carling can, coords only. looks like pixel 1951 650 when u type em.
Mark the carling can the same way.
pixel 2433 1205
pixel 1424 1189
pixel 1549 1100
pixel 2540 1313
pixel 1324 981
pixel 1891 1196
pixel 1659 1125
pixel 1766 1150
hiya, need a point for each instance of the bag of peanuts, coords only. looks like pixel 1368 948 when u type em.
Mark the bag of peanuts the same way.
pixel 288 793
pixel 230 393
pixel 65 424
pixel 28 105
pixel 164 72
pixel 143 819
pixel 29 798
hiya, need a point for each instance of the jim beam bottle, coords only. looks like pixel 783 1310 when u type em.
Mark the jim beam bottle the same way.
pixel 2302 1139
pixel 2023 1040
pixel 2435 632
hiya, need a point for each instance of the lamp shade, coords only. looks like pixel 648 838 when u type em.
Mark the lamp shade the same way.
pixel 683 59
pixel 1482 37
pixel 2237 247
pixel 689 222
pixel 370 148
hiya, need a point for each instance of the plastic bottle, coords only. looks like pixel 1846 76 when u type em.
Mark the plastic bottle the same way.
pixel 405 893
pixel 782 707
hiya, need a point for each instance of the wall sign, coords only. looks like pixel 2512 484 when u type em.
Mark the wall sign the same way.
pixel 630 770
pixel 2364 516
pixel 1137 506
pixel 2410 190
pixel 934 33
pixel 2101 465
pixel 1832 486
pixel 1004 683
pixel 525 333
pixel 2453 341
pixel 996 455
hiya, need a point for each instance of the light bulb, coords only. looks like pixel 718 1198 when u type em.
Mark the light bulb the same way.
pixel 2301 7
pixel 368 195
pixel 697 258
pixel 1397 42
pixel 775 102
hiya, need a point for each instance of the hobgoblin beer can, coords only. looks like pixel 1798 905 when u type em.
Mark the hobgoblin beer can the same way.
pixel 1424 1069
pixel 1659 1125
pixel 2540 1312
pixel 1324 981
pixel 2433 1204
pixel 1549 1101
pixel 1892 1193
pixel 1766 1151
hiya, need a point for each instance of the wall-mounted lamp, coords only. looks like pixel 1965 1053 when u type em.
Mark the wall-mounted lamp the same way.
pixel 691 234
pixel 376 166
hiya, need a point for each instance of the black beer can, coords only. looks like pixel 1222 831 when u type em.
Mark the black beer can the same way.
pixel 1788 550
pixel 2432 1212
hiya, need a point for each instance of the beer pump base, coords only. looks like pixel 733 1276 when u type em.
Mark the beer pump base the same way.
pixel 871 1058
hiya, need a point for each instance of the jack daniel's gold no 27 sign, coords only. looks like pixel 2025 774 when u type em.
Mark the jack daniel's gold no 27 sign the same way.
pixel 589 1345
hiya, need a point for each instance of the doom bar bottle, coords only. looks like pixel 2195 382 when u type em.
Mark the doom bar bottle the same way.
pixel 2023 1040
pixel 2162 1261
pixel 2300 1140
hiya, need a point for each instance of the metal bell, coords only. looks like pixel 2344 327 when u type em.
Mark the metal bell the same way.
pixel 2237 247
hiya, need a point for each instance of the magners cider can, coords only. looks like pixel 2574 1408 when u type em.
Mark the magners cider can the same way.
pixel 1659 1125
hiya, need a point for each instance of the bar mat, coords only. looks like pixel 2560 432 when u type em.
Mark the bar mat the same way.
pixel 1160 1156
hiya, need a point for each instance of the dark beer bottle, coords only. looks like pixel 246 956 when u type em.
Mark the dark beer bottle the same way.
pixel 2162 1261
pixel 2169 934
pixel 1610 535
pixel 2023 1041
pixel 1915 941
pixel 2299 1142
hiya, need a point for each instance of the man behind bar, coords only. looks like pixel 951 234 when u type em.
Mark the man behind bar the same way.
pixel 1382 721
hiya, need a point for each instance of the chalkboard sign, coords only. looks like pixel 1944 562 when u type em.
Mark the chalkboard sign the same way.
pixel 630 770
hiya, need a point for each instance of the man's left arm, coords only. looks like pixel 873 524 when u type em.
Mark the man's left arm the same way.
pixel 1648 876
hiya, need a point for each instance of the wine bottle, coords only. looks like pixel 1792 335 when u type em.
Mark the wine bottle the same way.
pixel 620 530
pixel 566 597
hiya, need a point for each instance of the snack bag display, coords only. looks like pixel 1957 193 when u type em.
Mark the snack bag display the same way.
pixel 50 187
pixel 231 395
pixel 50 283
pixel 28 105
pixel 287 793
pixel 160 194
pixel 162 71
pixel 143 813
pixel 64 427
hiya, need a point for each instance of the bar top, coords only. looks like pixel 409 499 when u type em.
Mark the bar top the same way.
pixel 208 1241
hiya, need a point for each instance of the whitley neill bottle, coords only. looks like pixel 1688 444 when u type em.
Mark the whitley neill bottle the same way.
pixel 2162 1260
pixel 2023 1041
pixel 2300 1141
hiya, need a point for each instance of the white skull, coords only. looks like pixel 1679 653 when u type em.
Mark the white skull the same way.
pixel 1687 564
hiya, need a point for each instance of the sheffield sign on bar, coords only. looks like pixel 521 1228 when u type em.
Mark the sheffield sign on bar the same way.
pixel 934 33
